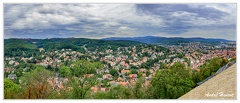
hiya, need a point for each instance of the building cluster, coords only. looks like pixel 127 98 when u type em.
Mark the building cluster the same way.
pixel 123 60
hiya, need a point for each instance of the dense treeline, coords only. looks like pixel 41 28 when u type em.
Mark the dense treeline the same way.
pixel 15 44
pixel 167 40
pixel 208 69
pixel 171 82
pixel 111 44
pixel 16 47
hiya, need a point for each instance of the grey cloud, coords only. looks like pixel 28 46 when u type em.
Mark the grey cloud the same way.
pixel 167 9
pixel 105 20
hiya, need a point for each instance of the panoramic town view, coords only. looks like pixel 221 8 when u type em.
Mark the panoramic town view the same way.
pixel 115 51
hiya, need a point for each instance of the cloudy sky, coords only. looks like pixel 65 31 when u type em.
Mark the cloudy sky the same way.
pixel 119 20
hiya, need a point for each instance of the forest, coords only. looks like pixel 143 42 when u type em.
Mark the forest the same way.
pixel 14 47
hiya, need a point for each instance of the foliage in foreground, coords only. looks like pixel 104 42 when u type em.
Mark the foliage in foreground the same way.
pixel 168 83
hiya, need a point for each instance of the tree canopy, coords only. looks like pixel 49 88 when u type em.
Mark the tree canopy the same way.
pixel 65 71
pixel 171 83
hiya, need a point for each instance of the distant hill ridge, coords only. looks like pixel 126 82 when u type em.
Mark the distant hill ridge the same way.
pixel 66 43
pixel 167 40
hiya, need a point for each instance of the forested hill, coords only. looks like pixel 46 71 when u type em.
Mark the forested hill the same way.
pixel 64 43
pixel 14 44
pixel 166 40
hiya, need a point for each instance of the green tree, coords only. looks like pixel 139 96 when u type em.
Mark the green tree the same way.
pixel 139 75
pixel 147 73
pixel 35 84
pixel 163 66
pixel 65 71
pixel 138 90
pixel 180 55
pixel 116 92
pixel 81 86
pixel 11 90
pixel 85 67
pixel 133 71
pixel 113 72
pixel 211 67
pixel 171 83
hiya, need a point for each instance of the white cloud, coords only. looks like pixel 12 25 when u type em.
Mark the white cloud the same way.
pixel 183 14
pixel 229 19
pixel 49 15
pixel 107 20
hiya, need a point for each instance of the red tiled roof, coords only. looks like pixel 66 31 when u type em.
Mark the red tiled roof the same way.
pixel 125 71
pixel 123 83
